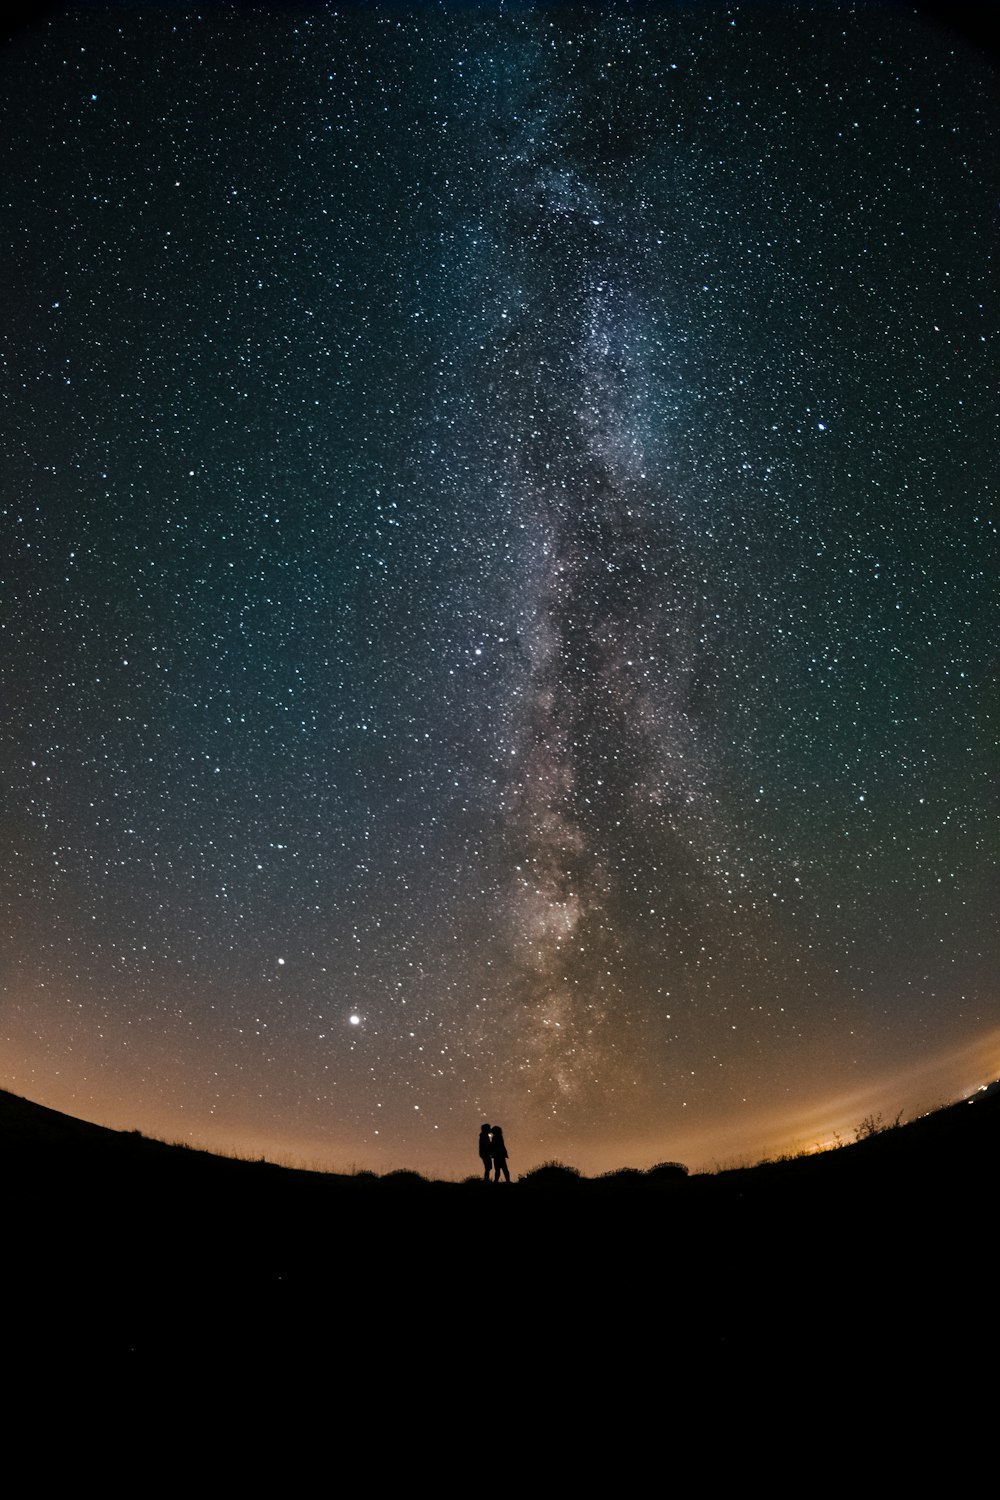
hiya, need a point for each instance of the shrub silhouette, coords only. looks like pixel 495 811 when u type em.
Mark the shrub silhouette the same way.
pixel 875 1125
pixel 552 1174
pixel 667 1171
pixel 623 1176
pixel 403 1177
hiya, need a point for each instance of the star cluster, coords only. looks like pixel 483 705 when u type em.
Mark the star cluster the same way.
pixel 500 573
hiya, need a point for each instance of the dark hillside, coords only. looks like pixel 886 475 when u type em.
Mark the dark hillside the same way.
pixel 147 1250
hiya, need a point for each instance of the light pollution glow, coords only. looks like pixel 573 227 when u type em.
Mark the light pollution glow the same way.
pixel 501 617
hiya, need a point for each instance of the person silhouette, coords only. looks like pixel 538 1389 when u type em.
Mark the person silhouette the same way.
pixel 485 1151
pixel 499 1150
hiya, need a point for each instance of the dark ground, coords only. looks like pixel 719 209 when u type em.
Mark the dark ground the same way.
pixel 123 1248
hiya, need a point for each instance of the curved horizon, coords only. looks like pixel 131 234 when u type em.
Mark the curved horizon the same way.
pixel 501 601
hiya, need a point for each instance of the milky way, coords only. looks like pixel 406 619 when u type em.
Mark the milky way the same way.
pixel 500 610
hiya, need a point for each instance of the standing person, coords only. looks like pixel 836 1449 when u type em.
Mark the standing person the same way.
pixel 485 1151
pixel 499 1149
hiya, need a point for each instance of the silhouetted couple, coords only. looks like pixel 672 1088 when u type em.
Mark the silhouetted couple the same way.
pixel 493 1153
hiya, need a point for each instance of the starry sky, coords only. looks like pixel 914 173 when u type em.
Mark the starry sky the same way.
pixel 499 576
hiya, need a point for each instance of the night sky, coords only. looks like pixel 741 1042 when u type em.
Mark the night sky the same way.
pixel 499 576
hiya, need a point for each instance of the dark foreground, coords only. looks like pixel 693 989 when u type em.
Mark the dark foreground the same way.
pixel 120 1248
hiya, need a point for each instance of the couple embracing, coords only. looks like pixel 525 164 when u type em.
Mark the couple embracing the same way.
pixel 493 1152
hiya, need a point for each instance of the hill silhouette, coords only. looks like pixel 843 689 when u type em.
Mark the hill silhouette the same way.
pixel 142 1249
pixel 950 1148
